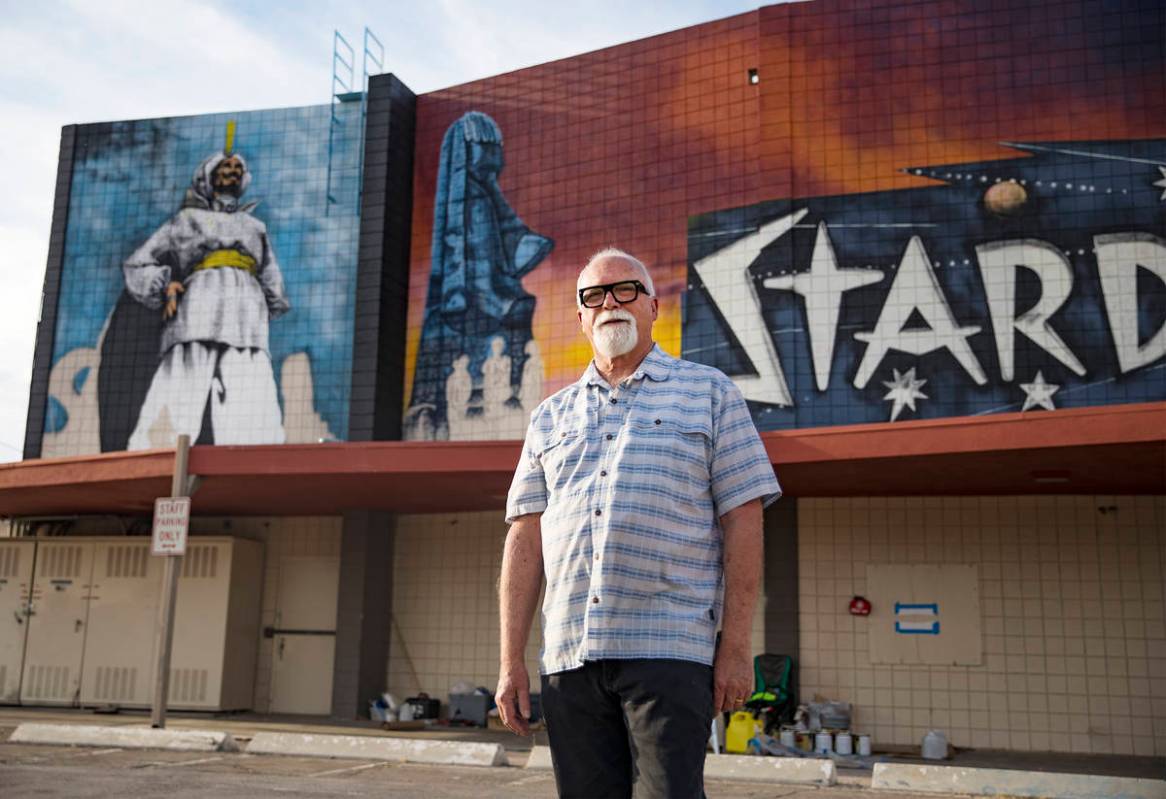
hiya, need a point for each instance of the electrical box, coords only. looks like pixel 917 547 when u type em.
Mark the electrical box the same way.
pixel 216 625
pixel 78 622
pixel 15 586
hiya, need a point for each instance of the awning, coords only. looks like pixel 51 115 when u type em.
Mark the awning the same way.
pixel 1119 449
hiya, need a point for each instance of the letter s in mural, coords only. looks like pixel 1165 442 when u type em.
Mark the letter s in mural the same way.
pixel 476 341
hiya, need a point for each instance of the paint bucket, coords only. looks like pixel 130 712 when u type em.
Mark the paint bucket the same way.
pixel 934 746
pixel 804 741
pixel 788 738
pixel 864 746
pixel 823 743
pixel 844 743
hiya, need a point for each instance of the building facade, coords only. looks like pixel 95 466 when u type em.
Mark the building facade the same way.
pixel 927 242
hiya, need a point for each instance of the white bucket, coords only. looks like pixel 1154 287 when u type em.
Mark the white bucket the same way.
pixel 788 738
pixel 844 743
pixel 823 743
pixel 934 746
pixel 864 746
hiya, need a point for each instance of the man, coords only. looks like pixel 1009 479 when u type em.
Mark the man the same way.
pixel 212 272
pixel 639 495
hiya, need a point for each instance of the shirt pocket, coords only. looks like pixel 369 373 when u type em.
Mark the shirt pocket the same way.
pixel 681 446
pixel 560 457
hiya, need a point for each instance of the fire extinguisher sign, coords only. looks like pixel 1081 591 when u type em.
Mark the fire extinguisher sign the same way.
pixel 171 523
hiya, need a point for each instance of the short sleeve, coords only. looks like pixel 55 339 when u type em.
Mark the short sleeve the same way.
pixel 740 469
pixel 528 489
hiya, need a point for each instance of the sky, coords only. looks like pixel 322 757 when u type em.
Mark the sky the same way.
pixel 77 62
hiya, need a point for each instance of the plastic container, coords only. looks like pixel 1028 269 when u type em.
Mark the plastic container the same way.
pixel 823 743
pixel 864 746
pixel 934 745
pixel 788 738
pixel 743 725
pixel 844 743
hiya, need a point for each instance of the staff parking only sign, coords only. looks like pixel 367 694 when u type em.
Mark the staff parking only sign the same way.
pixel 171 522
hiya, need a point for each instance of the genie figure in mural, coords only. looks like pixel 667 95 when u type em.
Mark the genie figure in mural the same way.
pixel 210 273
pixel 476 305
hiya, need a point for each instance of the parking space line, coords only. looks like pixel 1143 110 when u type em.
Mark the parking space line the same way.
pixel 176 763
pixel 93 752
pixel 362 767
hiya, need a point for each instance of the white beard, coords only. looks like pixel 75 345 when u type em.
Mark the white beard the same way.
pixel 612 341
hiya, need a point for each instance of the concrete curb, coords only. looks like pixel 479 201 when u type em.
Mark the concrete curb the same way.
pixel 367 747
pixel 540 757
pixel 1008 782
pixel 128 737
pixel 797 771
pixel 793 770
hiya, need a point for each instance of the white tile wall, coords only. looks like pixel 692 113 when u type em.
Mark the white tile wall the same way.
pixel 1074 619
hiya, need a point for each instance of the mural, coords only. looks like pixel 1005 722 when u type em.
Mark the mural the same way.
pixel 224 320
pixel 478 373
pixel 1024 283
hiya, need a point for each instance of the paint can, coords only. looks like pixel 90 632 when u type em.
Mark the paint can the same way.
pixel 844 743
pixel 787 737
pixel 864 746
pixel 804 742
pixel 823 743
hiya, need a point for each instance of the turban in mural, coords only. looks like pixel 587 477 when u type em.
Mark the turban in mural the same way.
pixel 201 193
pixel 481 250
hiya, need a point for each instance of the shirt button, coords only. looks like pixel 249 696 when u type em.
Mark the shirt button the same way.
pixel 603 473
pixel 614 401
pixel 657 421
pixel 610 436
pixel 594 600
pixel 598 513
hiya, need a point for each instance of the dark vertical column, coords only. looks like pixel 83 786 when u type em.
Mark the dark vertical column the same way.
pixel 46 328
pixel 781 578
pixel 363 612
pixel 382 281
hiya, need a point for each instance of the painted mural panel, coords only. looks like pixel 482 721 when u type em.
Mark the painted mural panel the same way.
pixel 1031 282
pixel 207 284
pixel 861 215
pixel 478 370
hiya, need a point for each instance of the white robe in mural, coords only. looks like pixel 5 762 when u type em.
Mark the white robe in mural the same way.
pixel 215 348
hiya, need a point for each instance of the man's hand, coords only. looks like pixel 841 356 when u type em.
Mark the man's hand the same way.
pixel 172 291
pixel 513 698
pixel 732 678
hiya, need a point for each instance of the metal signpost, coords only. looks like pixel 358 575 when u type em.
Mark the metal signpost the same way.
pixel 171 523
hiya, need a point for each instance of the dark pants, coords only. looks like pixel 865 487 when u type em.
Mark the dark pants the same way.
pixel 618 723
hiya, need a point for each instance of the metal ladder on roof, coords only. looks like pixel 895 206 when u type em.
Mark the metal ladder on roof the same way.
pixel 343 91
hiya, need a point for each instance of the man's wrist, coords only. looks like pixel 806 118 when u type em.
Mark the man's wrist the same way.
pixel 512 662
pixel 734 644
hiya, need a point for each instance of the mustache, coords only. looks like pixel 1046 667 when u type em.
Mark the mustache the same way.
pixel 614 315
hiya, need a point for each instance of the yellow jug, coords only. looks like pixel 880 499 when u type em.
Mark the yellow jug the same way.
pixel 743 725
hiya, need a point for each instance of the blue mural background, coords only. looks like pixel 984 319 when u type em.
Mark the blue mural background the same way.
pixel 1075 191
pixel 130 177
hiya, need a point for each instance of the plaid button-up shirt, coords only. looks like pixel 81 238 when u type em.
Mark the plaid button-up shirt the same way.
pixel 631 481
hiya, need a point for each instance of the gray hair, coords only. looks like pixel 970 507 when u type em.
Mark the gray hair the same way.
pixel 615 252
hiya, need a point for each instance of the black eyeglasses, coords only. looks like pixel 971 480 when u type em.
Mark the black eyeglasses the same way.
pixel 624 291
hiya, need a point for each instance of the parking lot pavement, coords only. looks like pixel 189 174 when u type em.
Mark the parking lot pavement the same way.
pixel 88 773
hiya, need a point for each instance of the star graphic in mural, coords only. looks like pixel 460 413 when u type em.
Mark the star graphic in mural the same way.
pixel 1038 392
pixel 822 288
pixel 904 390
pixel 1162 183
